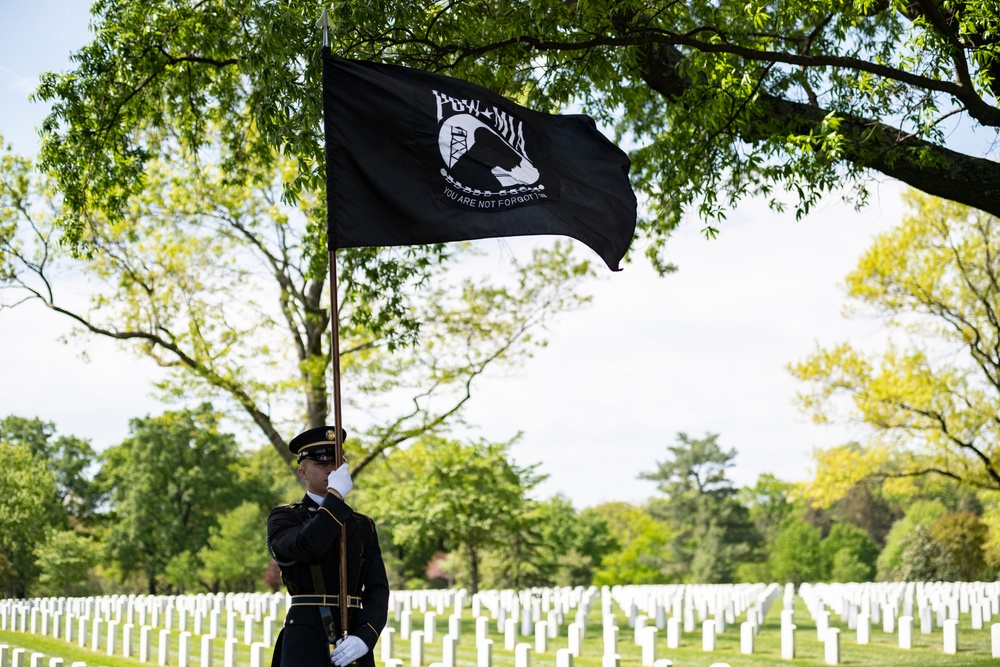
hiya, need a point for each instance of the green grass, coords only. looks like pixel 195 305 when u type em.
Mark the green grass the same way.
pixel 927 651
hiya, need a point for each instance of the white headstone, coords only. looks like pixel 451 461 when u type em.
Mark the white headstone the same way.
pixel 386 642
pixel 145 642
pixel 449 655
pixel 950 627
pixel 509 634
pixel 649 645
pixel 926 620
pixel 575 639
pixel 484 653
pixel 708 635
pixel 163 648
pixel 184 650
pixel 541 637
pixel 257 654
pixel 416 648
pixel 112 637
pixel 230 652
pixel 673 632
pixel 822 623
pixel 128 640
pixel 96 629
pixel 906 632
pixel 405 621
pixel 206 650
pixel 430 626
pixel 522 655
pixel 831 646
pixel 610 640
pixel 787 640
pixel 746 637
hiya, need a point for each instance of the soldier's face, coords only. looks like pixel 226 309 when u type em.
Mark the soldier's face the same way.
pixel 315 473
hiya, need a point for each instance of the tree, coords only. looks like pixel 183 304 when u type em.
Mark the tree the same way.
pixel 931 403
pixel 714 531
pixel 922 557
pixel 770 503
pixel 71 459
pixel 24 481
pixel 722 101
pixel 164 286
pixel 65 561
pixel 642 545
pixel 466 497
pixel 235 557
pixel 796 555
pixel 575 542
pixel 892 558
pixel 849 552
pixel 961 536
pixel 168 482
pixel 866 506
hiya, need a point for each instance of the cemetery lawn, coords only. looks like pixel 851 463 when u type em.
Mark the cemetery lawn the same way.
pixel 927 651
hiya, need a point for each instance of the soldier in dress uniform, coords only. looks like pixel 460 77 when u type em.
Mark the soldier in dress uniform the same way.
pixel 303 540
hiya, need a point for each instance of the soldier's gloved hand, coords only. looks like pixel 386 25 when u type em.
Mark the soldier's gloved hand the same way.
pixel 340 481
pixel 348 649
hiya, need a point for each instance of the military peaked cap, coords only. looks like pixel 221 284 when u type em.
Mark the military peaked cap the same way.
pixel 318 444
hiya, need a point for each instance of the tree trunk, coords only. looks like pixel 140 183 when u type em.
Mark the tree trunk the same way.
pixel 473 569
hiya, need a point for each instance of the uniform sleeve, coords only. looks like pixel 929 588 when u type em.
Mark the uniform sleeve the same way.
pixel 291 539
pixel 375 598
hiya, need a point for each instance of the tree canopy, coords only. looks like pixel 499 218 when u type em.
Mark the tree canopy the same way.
pixel 720 102
pixel 930 398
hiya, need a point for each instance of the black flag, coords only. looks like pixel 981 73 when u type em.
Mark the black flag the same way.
pixel 415 158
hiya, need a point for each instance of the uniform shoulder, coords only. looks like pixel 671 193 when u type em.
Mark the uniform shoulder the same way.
pixel 288 507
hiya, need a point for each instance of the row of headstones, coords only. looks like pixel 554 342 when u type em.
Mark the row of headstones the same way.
pixel 691 604
pixel 108 640
pixel 522 657
pixel 158 608
pixel 68 627
pixel 644 633
pixel 830 636
pixel 885 602
pixel 19 657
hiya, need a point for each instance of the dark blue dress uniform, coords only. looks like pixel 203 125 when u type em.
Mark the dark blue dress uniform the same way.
pixel 305 534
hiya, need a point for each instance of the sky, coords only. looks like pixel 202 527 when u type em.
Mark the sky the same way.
pixel 703 350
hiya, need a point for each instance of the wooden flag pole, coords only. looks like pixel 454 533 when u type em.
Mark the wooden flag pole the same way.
pixel 337 419
pixel 338 429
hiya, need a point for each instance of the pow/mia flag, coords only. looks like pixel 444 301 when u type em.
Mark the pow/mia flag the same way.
pixel 415 158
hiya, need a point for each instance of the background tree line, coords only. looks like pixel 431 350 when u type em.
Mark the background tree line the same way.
pixel 178 507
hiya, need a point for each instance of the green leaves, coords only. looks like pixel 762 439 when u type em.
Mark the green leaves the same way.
pixel 468 497
pixel 931 399
pixel 717 102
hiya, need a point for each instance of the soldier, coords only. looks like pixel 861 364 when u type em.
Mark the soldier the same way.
pixel 303 540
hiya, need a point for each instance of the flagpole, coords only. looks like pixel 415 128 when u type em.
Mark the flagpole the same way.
pixel 339 437
pixel 335 360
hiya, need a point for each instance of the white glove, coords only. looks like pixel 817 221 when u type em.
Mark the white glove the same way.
pixel 349 649
pixel 340 481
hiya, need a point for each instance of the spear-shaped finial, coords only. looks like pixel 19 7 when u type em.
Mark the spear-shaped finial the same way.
pixel 326 29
